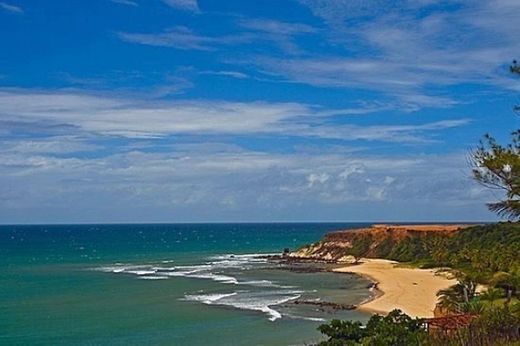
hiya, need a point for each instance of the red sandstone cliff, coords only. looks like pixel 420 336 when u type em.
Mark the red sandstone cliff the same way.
pixel 344 246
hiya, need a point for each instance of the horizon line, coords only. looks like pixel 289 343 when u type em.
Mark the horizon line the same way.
pixel 249 222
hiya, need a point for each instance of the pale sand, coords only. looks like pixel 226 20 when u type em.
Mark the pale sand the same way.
pixel 409 289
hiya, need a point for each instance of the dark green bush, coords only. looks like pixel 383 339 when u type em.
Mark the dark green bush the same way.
pixel 396 329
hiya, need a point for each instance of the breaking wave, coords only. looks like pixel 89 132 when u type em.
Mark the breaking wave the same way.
pixel 225 269
pixel 253 301
pixel 211 270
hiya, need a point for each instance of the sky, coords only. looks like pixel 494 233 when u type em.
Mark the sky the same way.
pixel 258 110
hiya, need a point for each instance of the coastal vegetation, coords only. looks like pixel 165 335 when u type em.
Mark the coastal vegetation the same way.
pixel 483 254
pixel 483 258
pixel 498 167
pixel 495 326
pixel 478 252
pixel 394 329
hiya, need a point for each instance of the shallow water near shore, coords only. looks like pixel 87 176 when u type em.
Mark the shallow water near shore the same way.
pixel 182 284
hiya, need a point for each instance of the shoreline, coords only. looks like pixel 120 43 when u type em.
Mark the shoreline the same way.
pixel 412 290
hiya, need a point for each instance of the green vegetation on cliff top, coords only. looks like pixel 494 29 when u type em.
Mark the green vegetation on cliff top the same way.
pixel 480 251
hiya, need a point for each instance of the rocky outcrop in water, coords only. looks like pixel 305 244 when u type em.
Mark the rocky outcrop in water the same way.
pixel 329 305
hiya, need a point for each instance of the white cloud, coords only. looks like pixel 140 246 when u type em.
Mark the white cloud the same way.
pixel 50 146
pixel 396 48
pixel 130 117
pixel 277 27
pixel 388 133
pixel 392 47
pixel 11 8
pixel 280 33
pixel 188 5
pixel 126 2
pixel 256 30
pixel 317 178
pixel 233 74
pixel 405 82
pixel 126 117
pixel 237 184
pixel 183 38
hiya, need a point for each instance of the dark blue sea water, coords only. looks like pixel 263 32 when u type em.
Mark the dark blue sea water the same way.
pixel 164 284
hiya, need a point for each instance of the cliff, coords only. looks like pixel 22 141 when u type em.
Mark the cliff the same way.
pixel 378 241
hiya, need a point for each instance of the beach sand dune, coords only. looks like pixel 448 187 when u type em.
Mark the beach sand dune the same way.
pixel 409 289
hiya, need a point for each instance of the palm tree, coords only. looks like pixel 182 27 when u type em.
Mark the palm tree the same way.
pixel 473 307
pixel 515 309
pixel 491 294
pixel 449 300
pixel 508 282
pixel 453 298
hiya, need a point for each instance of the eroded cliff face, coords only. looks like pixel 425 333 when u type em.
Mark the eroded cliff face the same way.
pixel 377 241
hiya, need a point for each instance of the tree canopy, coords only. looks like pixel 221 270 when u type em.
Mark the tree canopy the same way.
pixel 397 329
pixel 498 167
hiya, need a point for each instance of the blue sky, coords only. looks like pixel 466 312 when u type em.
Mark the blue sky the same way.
pixel 309 110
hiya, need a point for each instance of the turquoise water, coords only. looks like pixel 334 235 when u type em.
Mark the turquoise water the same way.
pixel 182 284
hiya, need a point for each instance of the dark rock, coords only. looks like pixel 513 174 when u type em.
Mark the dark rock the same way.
pixel 330 305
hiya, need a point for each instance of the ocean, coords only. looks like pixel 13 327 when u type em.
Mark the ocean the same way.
pixel 165 284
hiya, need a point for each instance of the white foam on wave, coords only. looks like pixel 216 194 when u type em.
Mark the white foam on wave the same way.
pixel 121 268
pixel 263 283
pixel 140 272
pixel 175 273
pixel 215 277
pixel 231 264
pixel 314 319
pixel 238 261
pixel 196 272
pixel 212 270
pixel 153 277
pixel 253 301
pixel 258 283
pixel 199 267
pixel 208 298
pixel 163 269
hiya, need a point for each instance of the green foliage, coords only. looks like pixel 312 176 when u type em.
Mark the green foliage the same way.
pixel 515 68
pixel 498 167
pixel 498 325
pixel 343 332
pixel 485 250
pixel 491 294
pixel 492 326
pixel 477 251
pixel 460 297
pixel 509 282
pixel 384 248
pixel 409 249
pixel 360 247
pixel 487 254
pixel 397 329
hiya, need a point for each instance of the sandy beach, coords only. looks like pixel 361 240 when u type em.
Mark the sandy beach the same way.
pixel 409 289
